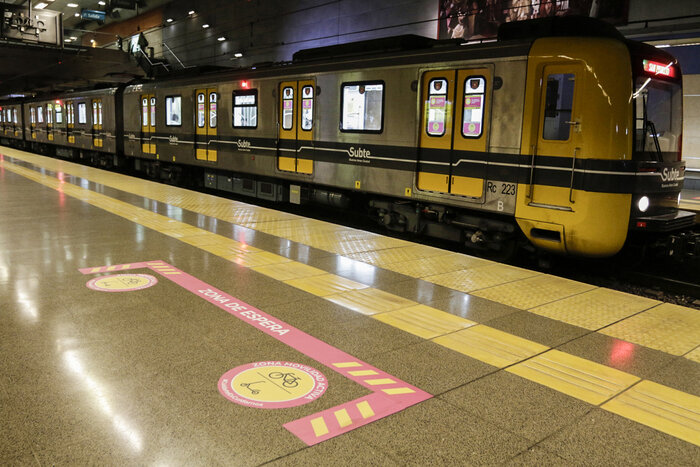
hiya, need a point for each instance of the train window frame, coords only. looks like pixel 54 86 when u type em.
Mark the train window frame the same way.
pixel 311 98
pixel 169 101
pixel 234 107
pixel 59 113
pixel 213 109
pixel 82 113
pixel 201 110
pixel 482 94
pixel 566 123
pixel 430 95
pixel 348 84
pixel 288 112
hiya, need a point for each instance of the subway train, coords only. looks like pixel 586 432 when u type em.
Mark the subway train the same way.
pixel 561 135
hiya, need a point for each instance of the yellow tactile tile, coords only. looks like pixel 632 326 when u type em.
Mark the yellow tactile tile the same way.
pixel 227 248
pixel 491 346
pixel 595 309
pixel 670 328
pixel 394 255
pixel 575 376
pixel 356 246
pixel 435 265
pixel 327 284
pixel 290 270
pixel 370 301
pixel 534 291
pixel 662 408
pixel 424 321
pixel 203 239
pixel 480 277
pixel 693 355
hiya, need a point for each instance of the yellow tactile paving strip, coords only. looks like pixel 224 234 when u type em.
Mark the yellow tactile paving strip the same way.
pixel 481 342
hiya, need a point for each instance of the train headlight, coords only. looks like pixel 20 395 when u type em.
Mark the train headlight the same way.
pixel 643 203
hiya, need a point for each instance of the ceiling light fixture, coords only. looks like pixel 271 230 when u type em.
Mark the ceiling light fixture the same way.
pixel 238 55
pixel 72 5
pixel 221 39
pixel 191 12
pixel 204 26
pixel 101 3
pixel 169 20
pixel 40 5
pixel 77 15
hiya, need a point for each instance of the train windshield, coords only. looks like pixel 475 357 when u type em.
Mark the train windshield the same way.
pixel 658 120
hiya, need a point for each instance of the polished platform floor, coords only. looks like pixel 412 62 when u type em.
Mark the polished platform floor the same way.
pixel 126 304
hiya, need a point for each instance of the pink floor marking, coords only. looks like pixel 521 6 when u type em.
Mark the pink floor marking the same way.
pixel 400 394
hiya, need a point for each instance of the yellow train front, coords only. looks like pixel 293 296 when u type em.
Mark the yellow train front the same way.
pixel 602 134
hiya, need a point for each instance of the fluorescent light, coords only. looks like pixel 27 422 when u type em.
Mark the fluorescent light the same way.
pixel 101 3
pixel 92 41
pixel 169 20
pixel 72 5
pixel 238 55
pixel 66 40
pixel 40 5
pixel 204 26
pixel 73 38
pixel 191 12
pixel 77 15
pixel 221 39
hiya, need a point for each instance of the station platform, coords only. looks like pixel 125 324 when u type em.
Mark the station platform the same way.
pixel 148 324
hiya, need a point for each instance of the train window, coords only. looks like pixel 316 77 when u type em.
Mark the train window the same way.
pixel 201 110
pixel 69 113
pixel 307 108
pixel 245 108
pixel 49 114
pixel 212 109
pixel 32 115
pixel 144 111
pixel 82 113
pixel 558 104
pixel 288 108
pixel 437 107
pixel 362 106
pixel 40 114
pixel 2 116
pixel 94 112
pixel 99 112
pixel 173 111
pixel 153 111
pixel 473 115
pixel 59 113
pixel 16 117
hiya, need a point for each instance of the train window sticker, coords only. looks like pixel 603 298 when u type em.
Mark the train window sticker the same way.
pixel 201 111
pixel 40 114
pixel 82 112
pixel 173 111
pixel 212 110
pixel 153 112
pixel 473 114
pixel 144 111
pixel 437 107
pixel 362 107
pixel 245 108
pixel 307 108
pixel 287 108
pixel 59 113
pixel 558 106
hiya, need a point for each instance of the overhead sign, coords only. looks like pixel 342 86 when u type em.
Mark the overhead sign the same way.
pixel 93 15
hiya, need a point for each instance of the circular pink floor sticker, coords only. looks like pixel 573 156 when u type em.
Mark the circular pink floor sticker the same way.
pixel 272 385
pixel 122 282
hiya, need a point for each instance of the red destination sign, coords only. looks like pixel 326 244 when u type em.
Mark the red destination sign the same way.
pixel 664 69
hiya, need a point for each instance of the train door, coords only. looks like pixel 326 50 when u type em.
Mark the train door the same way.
pixel 295 126
pixel 148 123
pixel 49 122
pixel 206 111
pixel 558 141
pixel 70 122
pixel 97 138
pixel 454 132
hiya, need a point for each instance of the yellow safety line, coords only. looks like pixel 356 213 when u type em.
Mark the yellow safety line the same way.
pixel 625 380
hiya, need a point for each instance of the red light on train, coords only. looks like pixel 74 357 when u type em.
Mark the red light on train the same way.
pixel 656 68
pixel 244 84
